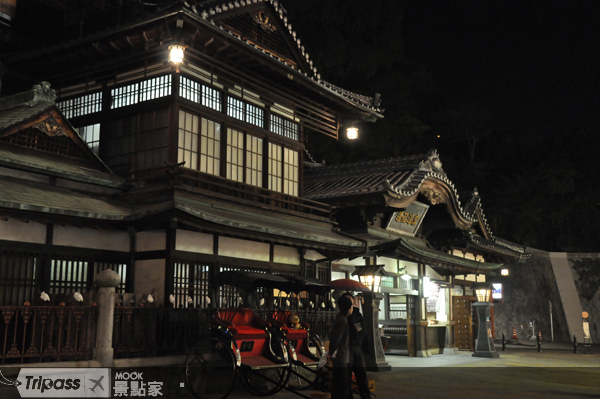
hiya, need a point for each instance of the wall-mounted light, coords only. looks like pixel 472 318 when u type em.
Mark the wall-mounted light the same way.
pixel 405 277
pixel 504 272
pixel 176 54
pixel 352 133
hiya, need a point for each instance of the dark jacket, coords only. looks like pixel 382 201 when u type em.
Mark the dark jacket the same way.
pixel 356 328
pixel 339 341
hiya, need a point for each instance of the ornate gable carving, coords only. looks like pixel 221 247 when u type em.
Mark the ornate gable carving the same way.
pixel 51 127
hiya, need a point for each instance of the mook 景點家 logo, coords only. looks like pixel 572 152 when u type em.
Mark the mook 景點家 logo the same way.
pixel 64 383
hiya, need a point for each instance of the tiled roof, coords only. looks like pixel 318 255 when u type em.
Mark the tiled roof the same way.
pixel 21 107
pixel 36 197
pixel 403 177
pixel 54 165
pixel 208 9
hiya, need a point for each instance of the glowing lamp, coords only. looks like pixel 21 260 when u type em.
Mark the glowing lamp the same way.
pixel 483 291
pixel 352 133
pixel 176 54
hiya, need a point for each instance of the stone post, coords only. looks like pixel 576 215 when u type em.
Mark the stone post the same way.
pixel 106 281
pixel 375 359
pixel 484 344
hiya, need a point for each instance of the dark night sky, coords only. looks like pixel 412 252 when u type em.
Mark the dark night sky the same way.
pixel 536 62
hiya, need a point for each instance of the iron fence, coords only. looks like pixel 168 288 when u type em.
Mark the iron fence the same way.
pixel 31 334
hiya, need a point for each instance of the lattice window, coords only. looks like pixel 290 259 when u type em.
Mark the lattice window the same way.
pixel 155 88
pixel 275 167
pixel 70 275
pixel 290 171
pixel 18 278
pixel 140 92
pixel 284 127
pixel 254 160
pixel 235 108
pixel 124 96
pixel 199 93
pixel 235 155
pixel 210 147
pixel 255 115
pixel 191 284
pixel 79 106
pixel 91 135
pixel 211 98
pixel 245 112
pixel 190 90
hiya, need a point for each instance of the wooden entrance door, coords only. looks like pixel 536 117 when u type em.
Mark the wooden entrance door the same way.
pixel 463 330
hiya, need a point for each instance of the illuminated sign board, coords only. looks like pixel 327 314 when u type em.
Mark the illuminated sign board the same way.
pixel 496 291
pixel 408 220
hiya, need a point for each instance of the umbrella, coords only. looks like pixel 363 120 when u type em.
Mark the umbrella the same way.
pixel 349 285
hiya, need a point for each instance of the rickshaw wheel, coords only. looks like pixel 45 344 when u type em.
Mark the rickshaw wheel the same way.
pixel 314 346
pixel 252 379
pixel 211 369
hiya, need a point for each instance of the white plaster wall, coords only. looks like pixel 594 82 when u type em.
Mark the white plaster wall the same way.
pixel 90 238
pixel 14 230
pixel 151 240
pixel 287 255
pixel 313 255
pixel 149 275
pixel 192 241
pixel 244 249
pixel 432 274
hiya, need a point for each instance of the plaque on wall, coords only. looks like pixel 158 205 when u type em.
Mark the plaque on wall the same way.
pixel 409 220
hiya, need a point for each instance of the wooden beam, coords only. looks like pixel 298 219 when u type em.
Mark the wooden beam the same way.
pixel 222 48
pixel 113 45
pixel 145 40
pixel 99 49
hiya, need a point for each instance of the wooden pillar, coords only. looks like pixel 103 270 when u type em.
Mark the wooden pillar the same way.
pixel 169 259
pixel 420 324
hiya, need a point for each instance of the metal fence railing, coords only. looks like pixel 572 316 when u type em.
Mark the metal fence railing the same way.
pixel 32 334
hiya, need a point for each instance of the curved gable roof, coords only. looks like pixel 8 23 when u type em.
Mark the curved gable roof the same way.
pixel 396 183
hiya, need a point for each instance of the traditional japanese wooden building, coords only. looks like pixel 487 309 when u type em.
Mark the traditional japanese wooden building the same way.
pixel 170 170
pixel 433 244
pixel 190 167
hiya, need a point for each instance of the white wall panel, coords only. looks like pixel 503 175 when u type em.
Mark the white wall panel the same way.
pixel 151 241
pixel 90 238
pixel 244 249
pixel 194 242
pixel 14 230
pixel 287 255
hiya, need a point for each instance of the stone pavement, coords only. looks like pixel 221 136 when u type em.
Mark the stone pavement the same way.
pixel 520 372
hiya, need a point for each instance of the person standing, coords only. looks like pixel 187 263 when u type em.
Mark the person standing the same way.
pixel 339 351
pixel 357 342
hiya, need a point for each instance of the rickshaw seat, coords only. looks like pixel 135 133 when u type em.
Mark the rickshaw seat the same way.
pixel 280 317
pixel 243 323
